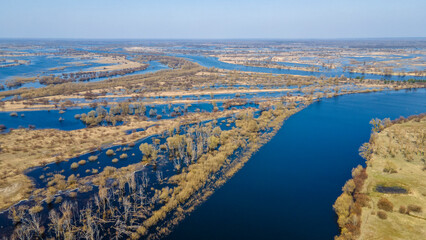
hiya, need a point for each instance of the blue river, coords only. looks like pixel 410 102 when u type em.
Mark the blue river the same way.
pixel 214 62
pixel 287 189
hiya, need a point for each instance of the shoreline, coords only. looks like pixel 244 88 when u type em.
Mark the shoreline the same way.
pixel 389 167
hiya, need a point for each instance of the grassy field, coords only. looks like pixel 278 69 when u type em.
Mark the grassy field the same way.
pixel 395 188
pixel 397 161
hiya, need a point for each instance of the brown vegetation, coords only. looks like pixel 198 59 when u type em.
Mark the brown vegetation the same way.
pixel 394 160
pixel 385 204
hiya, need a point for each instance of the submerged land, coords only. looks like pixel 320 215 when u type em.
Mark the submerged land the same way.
pixel 119 151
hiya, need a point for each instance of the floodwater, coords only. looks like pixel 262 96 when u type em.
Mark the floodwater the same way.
pixel 48 65
pixel 214 62
pixel 43 119
pixel 288 186
pixel 287 189
pixel 39 175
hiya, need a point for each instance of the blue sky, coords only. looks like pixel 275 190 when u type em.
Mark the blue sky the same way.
pixel 212 19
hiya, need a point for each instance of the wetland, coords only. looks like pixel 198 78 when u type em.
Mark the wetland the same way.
pixel 193 139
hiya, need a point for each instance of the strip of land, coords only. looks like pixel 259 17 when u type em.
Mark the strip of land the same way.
pixel 386 199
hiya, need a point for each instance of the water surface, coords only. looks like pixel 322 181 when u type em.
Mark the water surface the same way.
pixel 214 62
pixel 287 189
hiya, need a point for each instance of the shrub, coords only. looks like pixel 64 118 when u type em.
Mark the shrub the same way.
pixel 74 165
pixel 141 230
pixel 152 112
pixel 382 215
pixel 36 209
pixel 58 199
pixel 390 168
pixel 115 160
pixel 213 142
pixel 148 151
pixel 81 162
pixel 49 199
pixel 71 179
pixel 13 114
pixel 124 155
pixel 93 158
pixel 359 175
pixel 94 171
pixel 402 209
pixel 414 208
pixel 135 236
pixel 362 199
pixel 108 171
pixel 110 152
pixel 349 186
pixel 342 207
pixel 385 204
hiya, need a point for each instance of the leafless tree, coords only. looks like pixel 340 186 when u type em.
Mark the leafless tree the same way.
pixel 67 210
pixel 22 232
pixel 132 182
pixel 126 209
pixel 159 176
pixel 55 223
pixel 91 230
pixel 120 229
pixel 144 180
pixel 16 214
pixel 141 197
pixel 35 224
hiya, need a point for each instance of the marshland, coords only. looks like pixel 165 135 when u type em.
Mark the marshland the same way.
pixel 182 139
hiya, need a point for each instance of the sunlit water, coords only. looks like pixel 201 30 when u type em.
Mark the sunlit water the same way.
pixel 287 189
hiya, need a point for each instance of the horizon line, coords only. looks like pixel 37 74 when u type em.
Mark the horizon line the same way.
pixel 313 38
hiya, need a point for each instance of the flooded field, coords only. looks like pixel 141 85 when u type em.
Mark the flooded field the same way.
pixel 142 139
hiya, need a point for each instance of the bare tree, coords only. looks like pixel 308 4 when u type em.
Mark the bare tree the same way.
pixel 90 228
pixel 159 176
pixel 126 209
pixel 144 179
pixel 22 232
pixel 35 224
pixel 132 182
pixel 55 223
pixel 120 229
pixel 16 214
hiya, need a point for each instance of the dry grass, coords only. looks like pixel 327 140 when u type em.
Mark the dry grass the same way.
pixel 402 146
pixel 22 148
pixel 117 63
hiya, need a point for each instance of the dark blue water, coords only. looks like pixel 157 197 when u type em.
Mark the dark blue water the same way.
pixel 44 119
pixel 214 62
pixel 103 160
pixel 287 189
